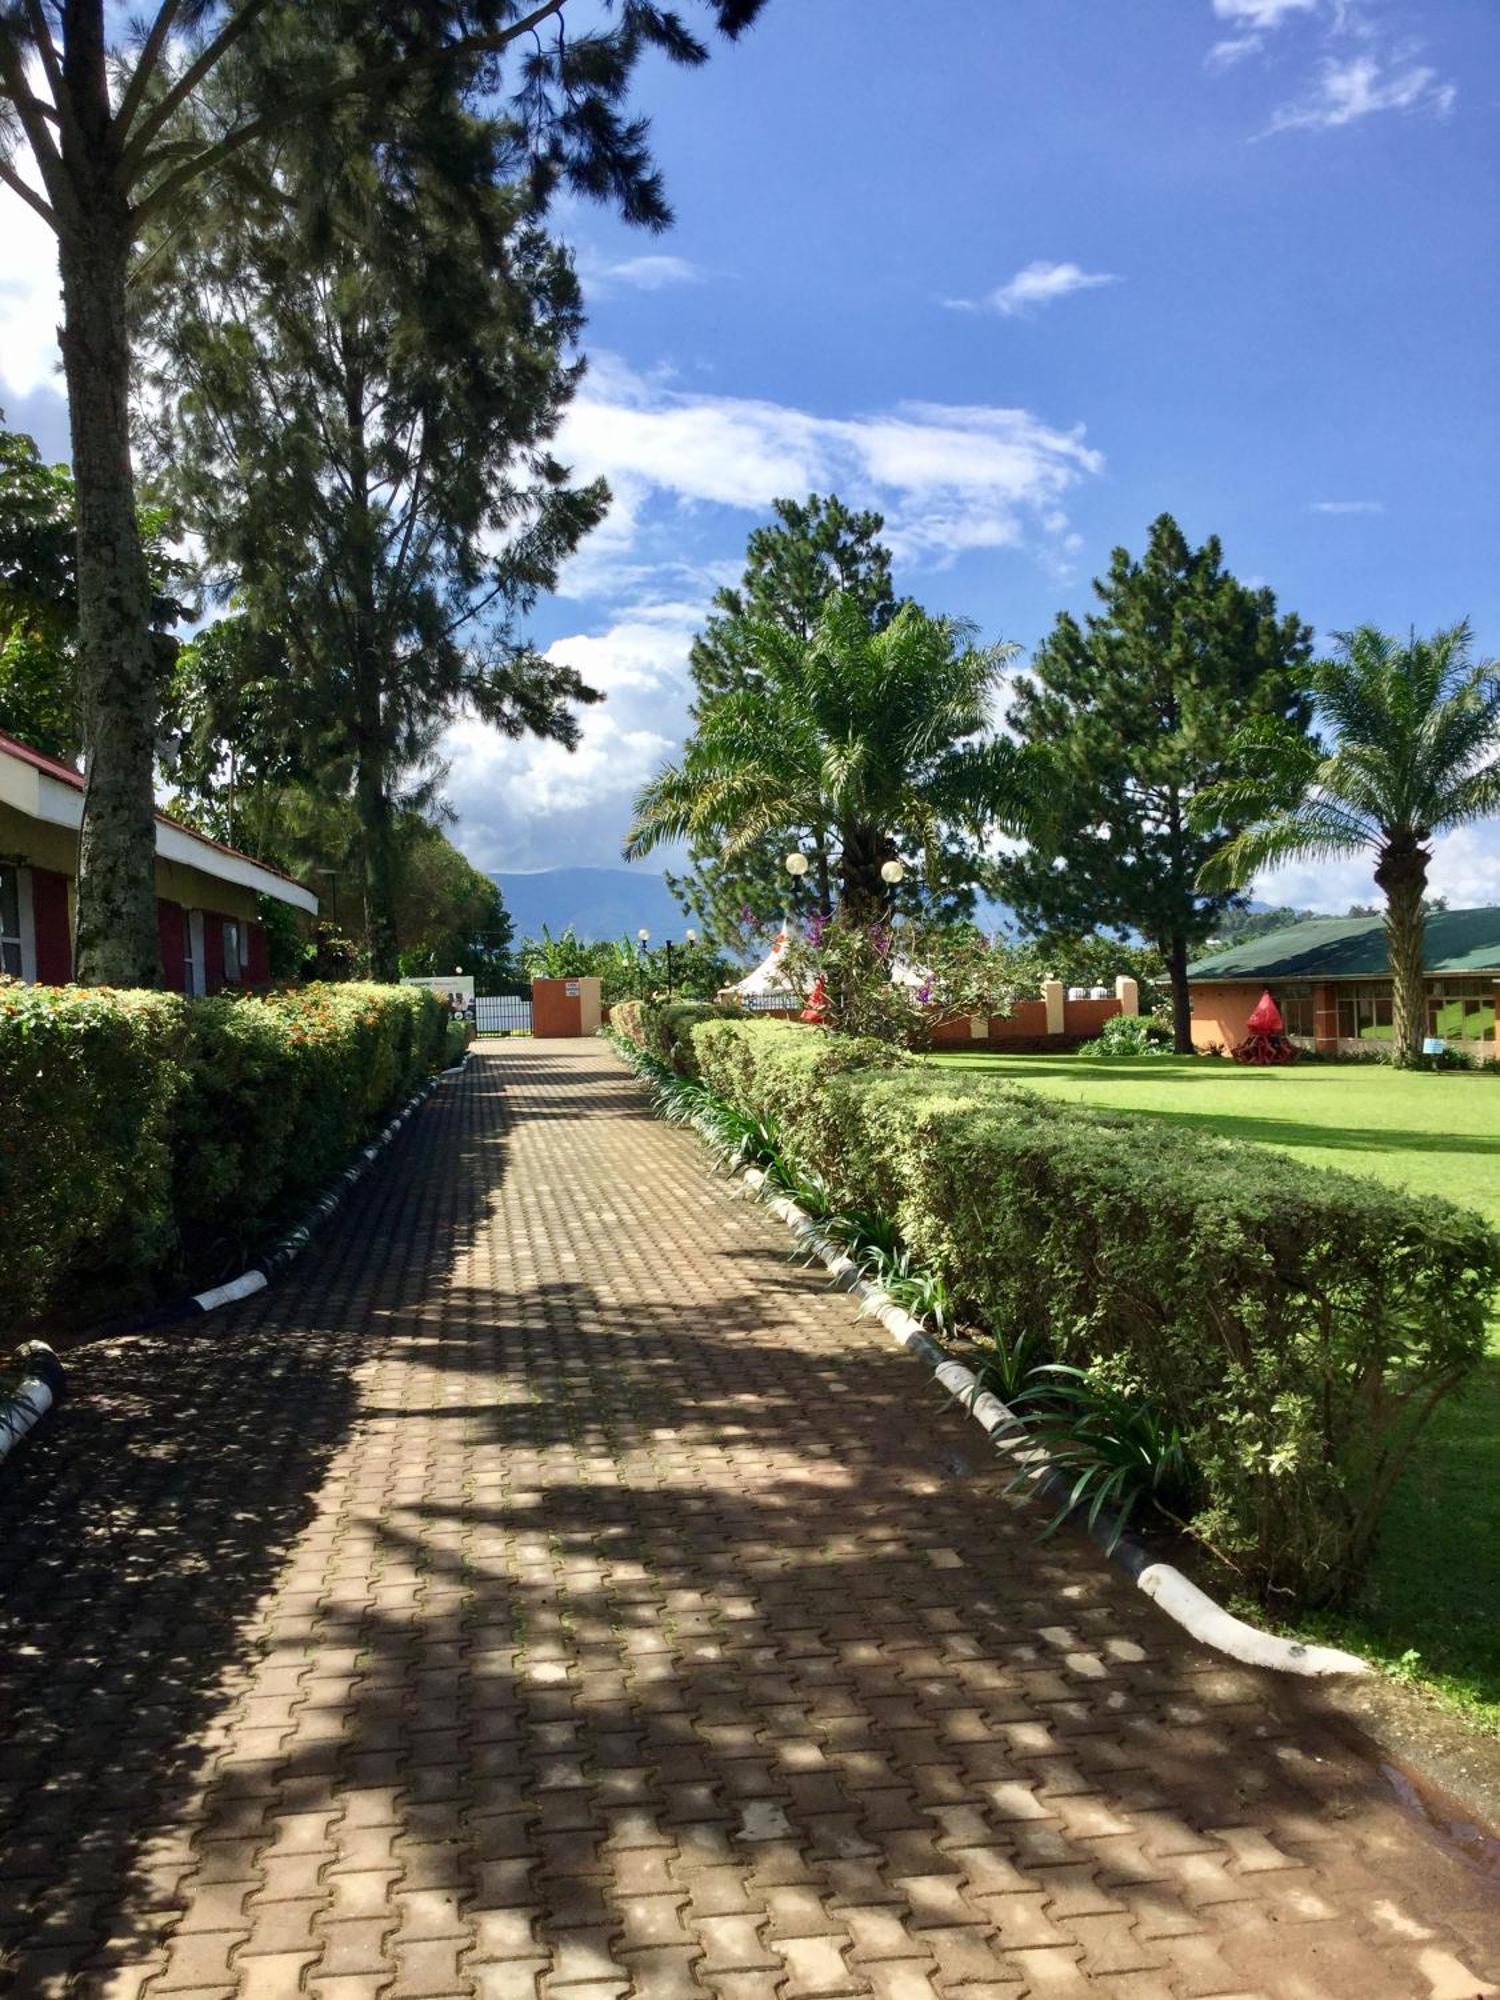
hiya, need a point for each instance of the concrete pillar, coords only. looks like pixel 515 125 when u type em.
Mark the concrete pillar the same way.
pixel 1055 1002
pixel 1326 1017
pixel 564 1007
pixel 1128 993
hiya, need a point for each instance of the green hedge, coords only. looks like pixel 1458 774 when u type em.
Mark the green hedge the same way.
pixel 1296 1323
pixel 148 1140
pixel 664 1028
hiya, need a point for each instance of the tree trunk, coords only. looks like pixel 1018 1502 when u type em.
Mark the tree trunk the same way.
pixel 863 897
pixel 373 806
pixel 1176 957
pixel 825 885
pixel 1402 874
pixel 115 943
pixel 371 787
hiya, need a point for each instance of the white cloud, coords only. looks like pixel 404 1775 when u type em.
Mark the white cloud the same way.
pixel 1224 55
pixel 648 273
pixel 1465 869
pixel 30 307
pixel 947 477
pixel 1262 14
pixel 1039 284
pixel 1347 507
pixel 536 805
pixel 1364 84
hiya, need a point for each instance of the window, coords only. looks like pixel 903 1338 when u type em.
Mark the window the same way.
pixel 192 951
pixel 1297 1009
pixel 10 921
pixel 1461 1010
pixel 1365 1011
pixel 234 956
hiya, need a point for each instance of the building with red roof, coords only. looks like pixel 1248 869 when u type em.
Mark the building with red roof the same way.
pixel 207 894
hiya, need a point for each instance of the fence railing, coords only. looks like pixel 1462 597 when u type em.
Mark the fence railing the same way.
pixel 502 1013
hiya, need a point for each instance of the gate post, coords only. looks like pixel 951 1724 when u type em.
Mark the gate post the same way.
pixel 564 1009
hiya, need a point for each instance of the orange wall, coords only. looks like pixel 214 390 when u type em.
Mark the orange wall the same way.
pixel 1028 1023
pixel 1222 1012
pixel 557 1012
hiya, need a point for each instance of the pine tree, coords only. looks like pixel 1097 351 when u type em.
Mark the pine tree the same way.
pixel 1124 720
pixel 118 145
pixel 363 352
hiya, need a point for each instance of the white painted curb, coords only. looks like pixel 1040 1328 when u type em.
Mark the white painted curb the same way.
pixel 1168 1588
pixel 35 1396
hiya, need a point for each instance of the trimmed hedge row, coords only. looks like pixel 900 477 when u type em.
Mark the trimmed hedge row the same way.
pixel 149 1139
pixel 1297 1324
pixel 664 1028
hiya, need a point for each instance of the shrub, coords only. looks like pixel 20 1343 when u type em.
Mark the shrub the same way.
pixel 1296 1325
pixel 279 1092
pixel 1130 1035
pixel 663 1028
pixel 149 1139
pixel 89 1081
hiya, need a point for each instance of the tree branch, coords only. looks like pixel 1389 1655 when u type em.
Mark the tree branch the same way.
pixel 301 102
pixel 31 111
pixel 207 58
pixel 29 195
pixel 146 65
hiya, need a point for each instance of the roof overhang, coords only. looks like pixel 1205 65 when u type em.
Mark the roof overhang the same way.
pixel 40 795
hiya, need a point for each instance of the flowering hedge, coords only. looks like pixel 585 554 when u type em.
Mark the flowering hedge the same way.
pixel 1298 1325
pixel 147 1140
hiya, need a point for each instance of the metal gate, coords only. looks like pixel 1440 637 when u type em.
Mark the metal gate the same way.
pixel 502 1014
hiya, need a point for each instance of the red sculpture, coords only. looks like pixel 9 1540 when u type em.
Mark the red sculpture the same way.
pixel 816 1009
pixel 1266 1040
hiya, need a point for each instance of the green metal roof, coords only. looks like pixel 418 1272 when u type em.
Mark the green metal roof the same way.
pixel 1354 948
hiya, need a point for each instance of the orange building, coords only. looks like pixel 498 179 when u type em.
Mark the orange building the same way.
pixel 1331 978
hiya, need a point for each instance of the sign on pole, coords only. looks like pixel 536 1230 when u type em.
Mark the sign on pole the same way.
pixel 456 988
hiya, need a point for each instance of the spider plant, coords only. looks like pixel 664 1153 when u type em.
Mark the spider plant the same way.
pixel 1117 1449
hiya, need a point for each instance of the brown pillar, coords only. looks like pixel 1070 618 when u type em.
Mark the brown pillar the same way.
pixel 1326 1017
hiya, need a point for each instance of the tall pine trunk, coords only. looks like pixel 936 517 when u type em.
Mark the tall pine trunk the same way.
pixel 372 799
pixel 377 863
pixel 119 698
pixel 1402 874
pixel 1176 957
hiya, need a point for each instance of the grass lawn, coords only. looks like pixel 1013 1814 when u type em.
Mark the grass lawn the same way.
pixel 1434 1589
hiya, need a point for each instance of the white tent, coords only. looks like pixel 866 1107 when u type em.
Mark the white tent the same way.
pixel 769 976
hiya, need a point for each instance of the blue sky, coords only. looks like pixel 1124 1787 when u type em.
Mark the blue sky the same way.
pixel 1022 273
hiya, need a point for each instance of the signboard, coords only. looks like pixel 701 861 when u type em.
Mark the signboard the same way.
pixel 454 987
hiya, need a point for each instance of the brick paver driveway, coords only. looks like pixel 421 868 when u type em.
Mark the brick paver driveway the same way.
pixel 548 1590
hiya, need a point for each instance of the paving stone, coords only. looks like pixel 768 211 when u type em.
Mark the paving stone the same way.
pixel 545 1589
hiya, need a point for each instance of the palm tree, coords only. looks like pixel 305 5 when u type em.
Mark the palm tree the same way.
pixel 1411 747
pixel 863 741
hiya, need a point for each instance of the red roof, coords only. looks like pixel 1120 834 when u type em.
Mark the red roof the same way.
pixel 12 746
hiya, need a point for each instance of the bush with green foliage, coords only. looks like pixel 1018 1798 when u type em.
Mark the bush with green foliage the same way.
pixel 150 1139
pixel 1295 1326
pixel 663 1028
pixel 90 1082
pixel 1130 1035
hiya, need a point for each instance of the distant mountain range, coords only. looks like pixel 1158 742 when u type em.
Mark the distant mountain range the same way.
pixel 616 902
pixel 596 902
